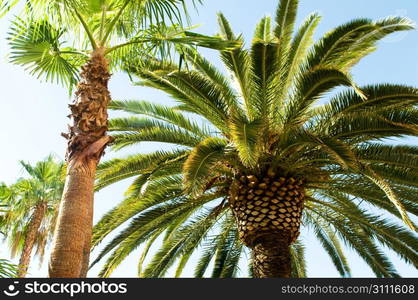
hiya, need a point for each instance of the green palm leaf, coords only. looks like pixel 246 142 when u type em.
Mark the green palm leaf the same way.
pixel 201 160
pixel 6 6
pixel 7 269
pixel 39 47
pixel 349 43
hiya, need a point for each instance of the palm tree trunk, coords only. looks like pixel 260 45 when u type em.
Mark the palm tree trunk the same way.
pixel 86 141
pixel 268 209
pixel 271 256
pixel 33 228
pixel 86 248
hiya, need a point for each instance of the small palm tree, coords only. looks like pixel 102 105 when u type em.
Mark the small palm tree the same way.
pixel 257 157
pixel 57 40
pixel 32 210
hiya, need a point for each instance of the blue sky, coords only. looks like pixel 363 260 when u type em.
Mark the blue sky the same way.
pixel 33 114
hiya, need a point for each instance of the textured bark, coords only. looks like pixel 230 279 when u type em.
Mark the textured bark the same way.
pixel 74 220
pixel 271 256
pixel 33 228
pixel 86 248
pixel 86 142
pixel 268 210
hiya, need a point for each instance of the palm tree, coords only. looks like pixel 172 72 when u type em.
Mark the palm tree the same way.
pixel 253 159
pixel 103 34
pixel 32 210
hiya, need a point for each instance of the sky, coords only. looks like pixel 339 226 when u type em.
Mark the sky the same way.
pixel 33 114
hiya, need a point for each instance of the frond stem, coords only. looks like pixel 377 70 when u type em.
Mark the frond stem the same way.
pixel 86 28
pixel 112 24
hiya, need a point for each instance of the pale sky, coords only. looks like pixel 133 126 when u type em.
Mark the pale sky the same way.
pixel 32 114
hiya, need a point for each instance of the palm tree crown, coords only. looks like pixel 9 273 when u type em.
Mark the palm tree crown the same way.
pixel 54 39
pixel 267 135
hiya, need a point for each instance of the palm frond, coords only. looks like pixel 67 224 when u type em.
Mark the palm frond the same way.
pixel 285 19
pixel 225 248
pixel 187 238
pixel 117 169
pixel 39 47
pixel 359 241
pixel 141 228
pixel 192 90
pixel 201 161
pixel 347 44
pixel 159 112
pixel 379 98
pixel 246 137
pixel 386 187
pixel 264 54
pixel 238 63
pixel 6 6
pixel 145 251
pixel 297 56
pixel 298 261
pixel 156 192
pixel 133 131
pixel 309 88
pixel 331 244
pixel 7 269
pixel 384 231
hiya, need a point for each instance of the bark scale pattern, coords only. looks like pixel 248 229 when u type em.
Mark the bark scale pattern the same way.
pixel 268 203
pixel 89 112
pixel 268 210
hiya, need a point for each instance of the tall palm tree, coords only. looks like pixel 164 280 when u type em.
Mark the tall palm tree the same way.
pixel 56 40
pixel 256 157
pixel 33 204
